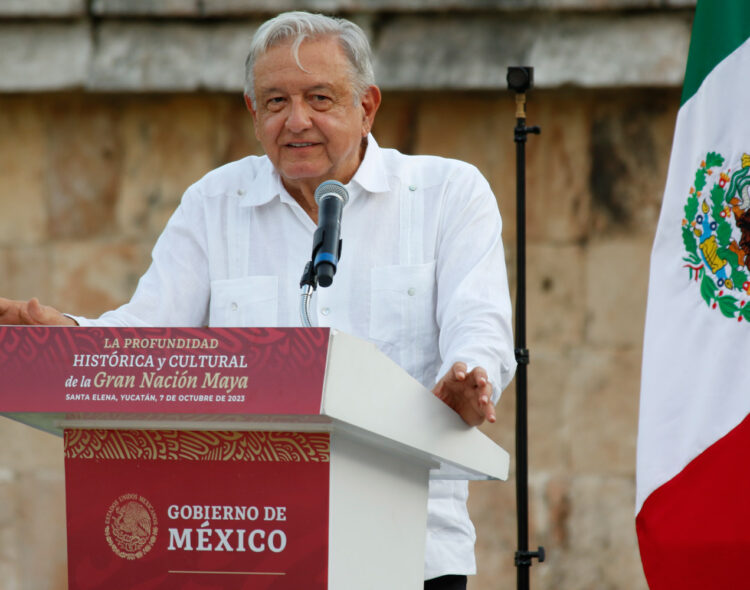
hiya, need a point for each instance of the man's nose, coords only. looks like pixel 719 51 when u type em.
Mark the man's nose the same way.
pixel 299 116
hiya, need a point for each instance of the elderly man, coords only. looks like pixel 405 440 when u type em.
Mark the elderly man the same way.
pixel 422 273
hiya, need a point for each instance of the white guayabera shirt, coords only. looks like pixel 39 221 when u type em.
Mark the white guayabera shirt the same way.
pixel 422 275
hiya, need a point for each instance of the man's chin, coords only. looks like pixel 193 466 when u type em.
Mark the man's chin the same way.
pixel 302 174
pixel 304 182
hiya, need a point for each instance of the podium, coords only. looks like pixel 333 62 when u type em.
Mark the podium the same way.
pixel 275 458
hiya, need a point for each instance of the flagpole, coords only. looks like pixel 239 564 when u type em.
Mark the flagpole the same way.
pixel 520 79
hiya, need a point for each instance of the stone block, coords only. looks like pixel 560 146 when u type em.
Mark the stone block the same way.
pixel 147 56
pixel 91 278
pixel 26 272
pixel 84 166
pixel 44 56
pixel 41 533
pixel 594 50
pixel 32 531
pixel 631 139
pixel 168 143
pixel 335 6
pixel 558 197
pixel 556 295
pixel 396 120
pixel 602 393
pixel 549 430
pixel 8 571
pixel 473 52
pixel 616 286
pixel 492 510
pixel 174 8
pixel 9 549
pixel 235 132
pixel 169 56
pixel 603 549
pixel 611 51
pixel 26 450
pixel 42 8
pixel 22 168
pixel 222 66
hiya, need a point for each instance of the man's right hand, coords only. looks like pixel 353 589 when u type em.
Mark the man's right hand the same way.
pixel 31 313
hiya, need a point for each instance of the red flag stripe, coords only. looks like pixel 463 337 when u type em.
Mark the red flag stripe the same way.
pixel 693 531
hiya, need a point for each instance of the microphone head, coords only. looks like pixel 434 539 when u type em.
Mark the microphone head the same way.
pixel 331 187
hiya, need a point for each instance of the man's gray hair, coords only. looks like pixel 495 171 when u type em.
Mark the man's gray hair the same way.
pixel 298 26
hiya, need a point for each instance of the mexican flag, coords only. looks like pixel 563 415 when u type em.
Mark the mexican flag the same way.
pixel 693 466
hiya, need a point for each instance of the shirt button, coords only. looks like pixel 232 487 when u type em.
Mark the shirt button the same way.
pixel 325 311
pixel 234 306
pixel 240 192
pixel 412 291
pixel 412 187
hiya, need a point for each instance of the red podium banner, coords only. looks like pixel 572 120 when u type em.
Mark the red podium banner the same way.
pixel 182 509
pixel 152 370
pixel 177 509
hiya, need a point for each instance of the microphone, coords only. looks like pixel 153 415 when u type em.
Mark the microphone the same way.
pixel 331 196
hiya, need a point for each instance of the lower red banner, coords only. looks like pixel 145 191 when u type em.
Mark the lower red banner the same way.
pixel 197 510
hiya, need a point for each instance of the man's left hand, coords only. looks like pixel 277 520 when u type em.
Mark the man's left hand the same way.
pixel 468 393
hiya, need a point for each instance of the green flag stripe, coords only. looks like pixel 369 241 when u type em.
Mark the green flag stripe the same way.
pixel 718 29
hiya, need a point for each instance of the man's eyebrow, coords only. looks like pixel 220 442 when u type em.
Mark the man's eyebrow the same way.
pixel 317 87
pixel 270 90
pixel 275 90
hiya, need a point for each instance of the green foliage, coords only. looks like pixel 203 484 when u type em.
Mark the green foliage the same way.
pixel 688 238
pixel 708 289
pixel 739 277
pixel 692 259
pixel 717 199
pixel 714 159
pixel 691 208
pixel 729 256
pixel 728 305
pixel 723 231
pixel 700 180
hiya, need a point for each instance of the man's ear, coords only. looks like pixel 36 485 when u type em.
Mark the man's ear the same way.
pixel 253 112
pixel 370 102
pixel 249 105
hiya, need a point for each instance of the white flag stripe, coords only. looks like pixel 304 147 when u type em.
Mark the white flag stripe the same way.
pixel 693 383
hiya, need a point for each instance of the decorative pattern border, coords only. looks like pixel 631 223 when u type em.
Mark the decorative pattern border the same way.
pixel 179 445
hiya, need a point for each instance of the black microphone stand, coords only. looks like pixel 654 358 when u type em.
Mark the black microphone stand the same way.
pixel 520 79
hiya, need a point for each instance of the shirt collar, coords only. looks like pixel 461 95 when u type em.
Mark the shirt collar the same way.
pixel 264 187
pixel 371 176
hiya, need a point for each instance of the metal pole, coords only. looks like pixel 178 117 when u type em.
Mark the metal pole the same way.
pixel 523 557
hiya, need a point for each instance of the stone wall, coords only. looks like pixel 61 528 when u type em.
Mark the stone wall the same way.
pixel 107 116
pixel 189 45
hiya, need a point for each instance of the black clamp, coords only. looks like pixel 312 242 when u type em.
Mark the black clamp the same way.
pixel 308 277
pixel 523 356
pixel 524 558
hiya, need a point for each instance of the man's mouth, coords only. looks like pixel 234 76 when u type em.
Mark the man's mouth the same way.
pixel 300 144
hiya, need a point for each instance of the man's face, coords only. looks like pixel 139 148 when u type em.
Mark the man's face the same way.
pixel 308 121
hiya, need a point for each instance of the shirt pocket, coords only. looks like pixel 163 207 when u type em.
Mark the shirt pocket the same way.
pixel 402 304
pixel 244 302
